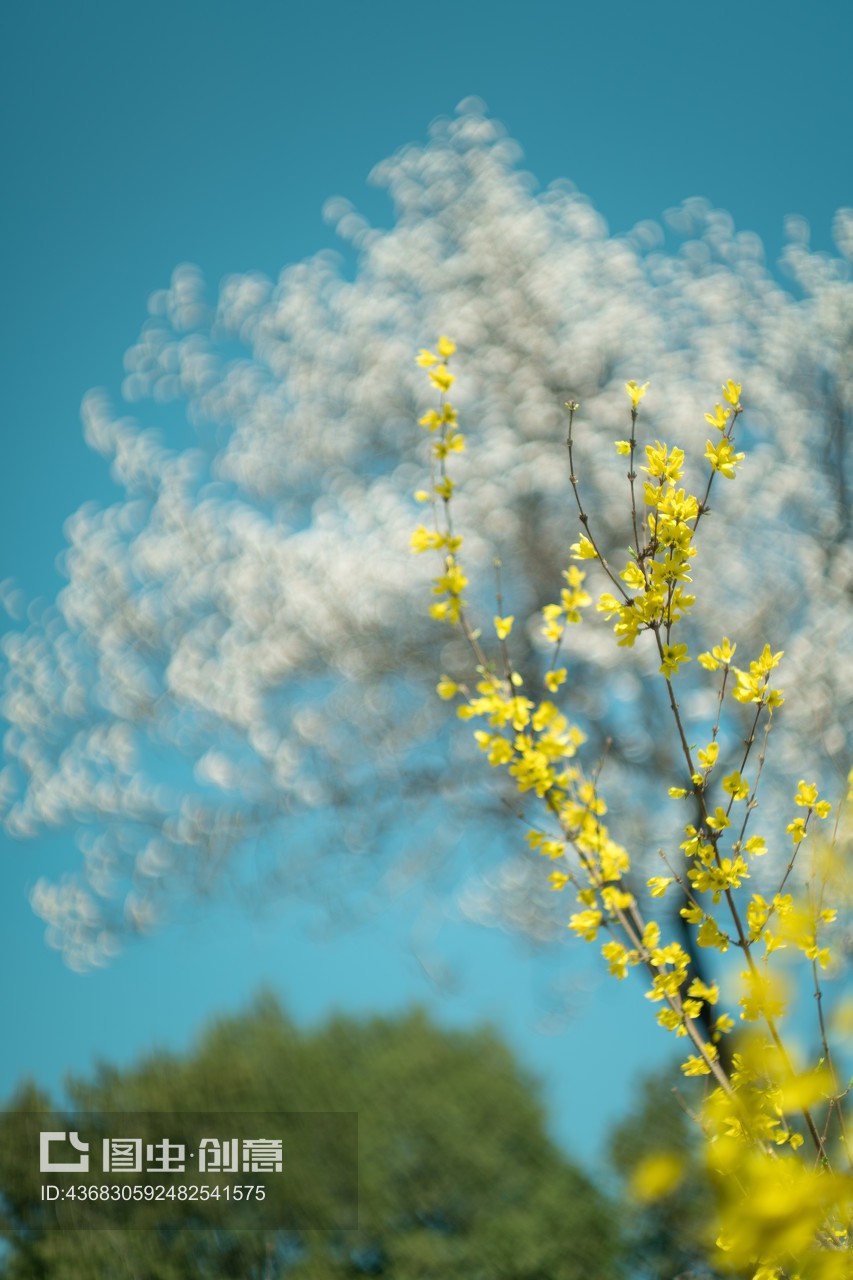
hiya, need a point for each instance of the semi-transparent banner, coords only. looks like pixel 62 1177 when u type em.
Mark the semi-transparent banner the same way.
pixel 135 1170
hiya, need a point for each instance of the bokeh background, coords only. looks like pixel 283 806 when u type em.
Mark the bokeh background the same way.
pixel 138 138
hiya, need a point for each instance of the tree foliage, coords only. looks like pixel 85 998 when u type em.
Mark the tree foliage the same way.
pixel 456 1173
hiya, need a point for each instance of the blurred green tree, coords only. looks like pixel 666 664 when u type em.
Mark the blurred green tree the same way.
pixel 456 1174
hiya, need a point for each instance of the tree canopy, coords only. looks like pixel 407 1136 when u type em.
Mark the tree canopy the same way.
pixel 238 658
pixel 456 1173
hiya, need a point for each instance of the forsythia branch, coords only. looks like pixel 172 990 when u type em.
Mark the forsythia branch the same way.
pixel 779 1215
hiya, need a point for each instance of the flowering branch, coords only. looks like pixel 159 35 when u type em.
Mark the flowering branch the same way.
pixel 752 1145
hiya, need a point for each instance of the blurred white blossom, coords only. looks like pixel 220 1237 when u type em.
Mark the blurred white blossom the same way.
pixel 242 645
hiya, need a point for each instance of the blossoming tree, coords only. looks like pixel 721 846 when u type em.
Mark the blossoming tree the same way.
pixel 238 661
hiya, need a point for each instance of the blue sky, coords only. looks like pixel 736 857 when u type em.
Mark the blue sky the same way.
pixel 139 137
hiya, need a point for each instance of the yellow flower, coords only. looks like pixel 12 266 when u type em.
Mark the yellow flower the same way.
pixel 586 924
pixel 710 935
pixel 616 956
pixel 797 830
pixel 635 392
pixel 441 378
pixel 766 662
pixel 736 786
pixel 663 462
pixel 702 991
pixel 445 611
pixel 719 417
pixel 806 795
pixel 722 457
pixel 656 1176
pixel 425 540
pixel 553 630
pixel 696 1066
pixel 623 446
pixel 651 934
pixel 446 348
pixel 673 656
pixel 717 820
pixel 633 575
pixel 720 654
pixel 500 751
pixel 453 442
pixel 583 550
pixel 452 580
pixel 503 626
pixel 731 392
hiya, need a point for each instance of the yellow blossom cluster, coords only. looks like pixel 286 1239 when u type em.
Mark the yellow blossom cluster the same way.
pixel 655 595
pixel 757 1093
pixel 780 1216
pixel 443 421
